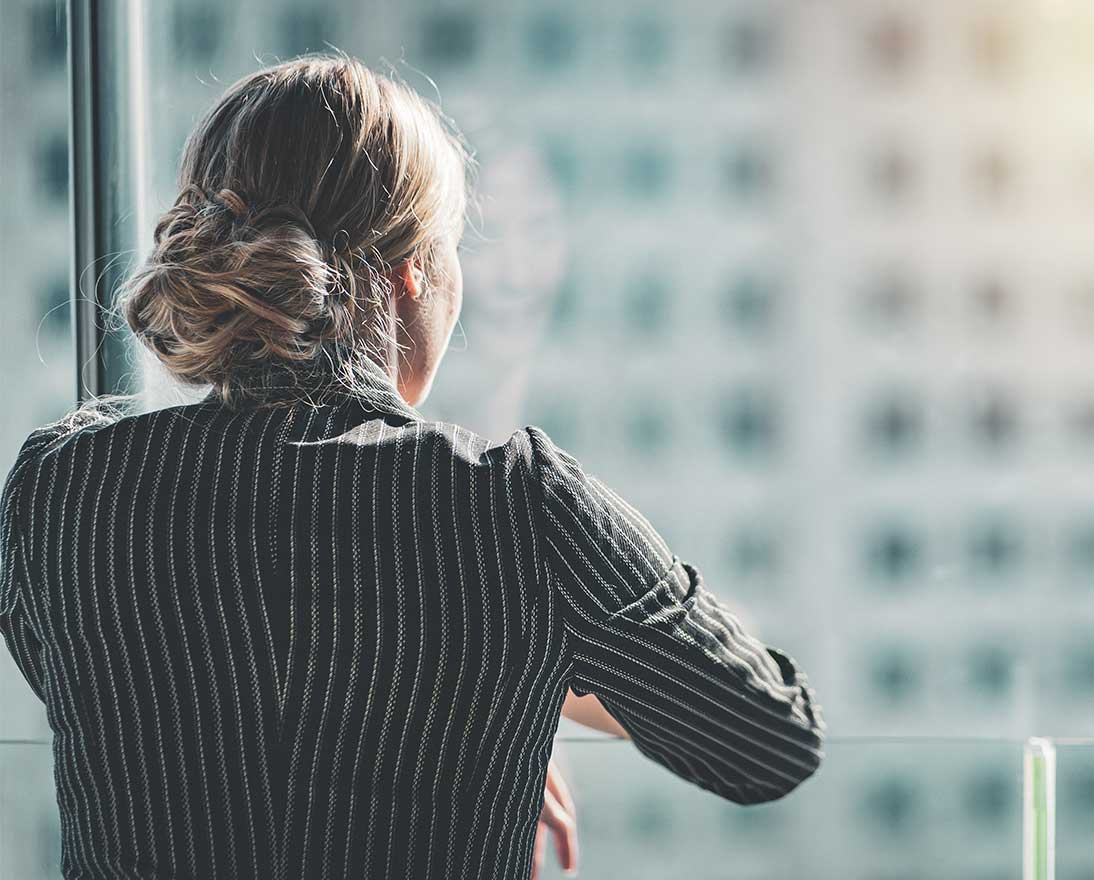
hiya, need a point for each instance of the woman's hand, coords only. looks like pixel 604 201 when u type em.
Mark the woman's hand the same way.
pixel 559 818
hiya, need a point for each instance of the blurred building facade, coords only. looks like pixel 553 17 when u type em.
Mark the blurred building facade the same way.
pixel 810 284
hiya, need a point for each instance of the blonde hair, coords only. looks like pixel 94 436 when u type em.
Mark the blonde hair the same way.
pixel 298 190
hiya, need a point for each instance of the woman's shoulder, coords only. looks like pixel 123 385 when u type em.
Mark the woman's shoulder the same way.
pixel 49 437
pixel 44 439
pixel 462 443
pixel 89 415
pixel 528 448
pixel 527 441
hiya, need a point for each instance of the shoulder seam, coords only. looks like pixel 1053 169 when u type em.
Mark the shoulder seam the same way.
pixel 37 443
pixel 541 541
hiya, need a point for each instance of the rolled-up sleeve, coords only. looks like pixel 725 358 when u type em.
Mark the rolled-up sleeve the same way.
pixel 695 692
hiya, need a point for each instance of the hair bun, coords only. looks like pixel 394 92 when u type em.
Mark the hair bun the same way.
pixel 230 285
pixel 239 215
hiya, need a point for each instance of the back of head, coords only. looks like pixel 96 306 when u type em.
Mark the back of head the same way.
pixel 299 189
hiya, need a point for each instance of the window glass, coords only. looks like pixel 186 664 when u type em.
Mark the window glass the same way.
pixel 775 272
pixel 38 355
pixel 810 284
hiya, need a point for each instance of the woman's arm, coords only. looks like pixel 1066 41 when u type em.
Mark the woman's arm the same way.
pixel 589 711
pixel 663 655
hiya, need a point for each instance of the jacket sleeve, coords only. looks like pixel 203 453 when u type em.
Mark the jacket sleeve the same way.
pixel 695 692
pixel 22 641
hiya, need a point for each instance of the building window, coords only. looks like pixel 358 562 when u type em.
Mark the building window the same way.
pixel 892 300
pixel 894 552
pixel 48 39
pixel 747 45
pixel 892 175
pixel 893 803
pixel 646 42
pixel 1077 788
pixel 1079 669
pixel 894 423
pixel 748 423
pixel 53 167
pixel 551 39
pixel 561 157
pixel 993 420
pixel 749 303
pixel 993 45
pixel 991 301
pixel 646 303
pixel 650 818
pixel 197 33
pixel 647 170
pixel 994 548
pixel 1080 551
pixel 566 305
pixel 648 429
pixel 752 552
pixel 1081 418
pixel 991 175
pixel 895 675
pixel 991 670
pixel 989 796
pixel 305 30
pixel 747 172
pixel 56 310
pixel 450 38
pixel 892 45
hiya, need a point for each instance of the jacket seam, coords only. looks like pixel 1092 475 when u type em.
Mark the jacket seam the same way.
pixel 545 578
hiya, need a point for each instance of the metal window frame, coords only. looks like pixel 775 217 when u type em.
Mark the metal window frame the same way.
pixel 106 177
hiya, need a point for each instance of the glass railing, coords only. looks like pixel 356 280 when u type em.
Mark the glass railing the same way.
pixel 878 808
pixel 30 836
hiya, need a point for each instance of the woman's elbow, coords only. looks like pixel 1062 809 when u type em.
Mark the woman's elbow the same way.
pixel 803 764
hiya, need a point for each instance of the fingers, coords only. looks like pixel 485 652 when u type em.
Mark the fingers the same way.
pixel 540 850
pixel 556 784
pixel 563 826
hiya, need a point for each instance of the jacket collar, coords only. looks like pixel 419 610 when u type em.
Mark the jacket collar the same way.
pixel 375 391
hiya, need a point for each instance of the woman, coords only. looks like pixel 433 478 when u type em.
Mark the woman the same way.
pixel 297 630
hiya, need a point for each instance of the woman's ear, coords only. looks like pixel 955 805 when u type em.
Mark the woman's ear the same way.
pixel 408 278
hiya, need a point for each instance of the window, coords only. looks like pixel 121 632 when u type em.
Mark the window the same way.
pixel 197 34
pixel 53 167
pixel 779 291
pixel 993 420
pixel 894 424
pixel 47 35
pixel 892 44
pixel 450 38
pixel 646 43
pixel 306 30
pixel 747 45
pixel 35 248
pixel 894 552
pixel 748 173
pixel 552 39
pixel 748 424
pixel 647 170
pixel 749 304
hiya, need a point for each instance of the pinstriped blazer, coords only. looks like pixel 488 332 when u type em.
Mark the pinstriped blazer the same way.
pixel 331 639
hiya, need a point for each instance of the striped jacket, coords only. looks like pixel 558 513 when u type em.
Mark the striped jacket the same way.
pixel 331 639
